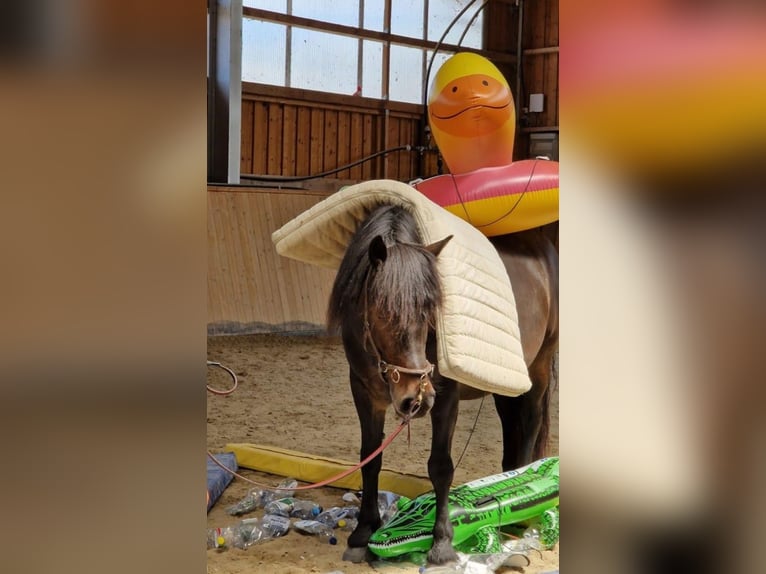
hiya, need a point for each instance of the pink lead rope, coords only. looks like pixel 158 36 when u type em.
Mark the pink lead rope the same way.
pixel 388 440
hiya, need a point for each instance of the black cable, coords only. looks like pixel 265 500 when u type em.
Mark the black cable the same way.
pixel 436 49
pixel 251 176
pixel 420 149
pixel 438 45
pixel 470 23
pixel 468 441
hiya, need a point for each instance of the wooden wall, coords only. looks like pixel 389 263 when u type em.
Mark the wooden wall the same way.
pixel 541 66
pixel 252 289
pixel 294 132
pixel 539 61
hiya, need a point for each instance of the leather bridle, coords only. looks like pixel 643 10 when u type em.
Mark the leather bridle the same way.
pixel 387 368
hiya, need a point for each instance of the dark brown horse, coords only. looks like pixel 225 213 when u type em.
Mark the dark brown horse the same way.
pixel 384 301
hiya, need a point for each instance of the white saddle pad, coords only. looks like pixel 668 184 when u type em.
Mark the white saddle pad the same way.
pixel 477 330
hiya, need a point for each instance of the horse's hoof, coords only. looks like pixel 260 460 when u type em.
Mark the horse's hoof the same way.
pixel 442 552
pixel 355 554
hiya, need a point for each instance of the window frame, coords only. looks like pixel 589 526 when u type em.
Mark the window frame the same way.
pixel 386 38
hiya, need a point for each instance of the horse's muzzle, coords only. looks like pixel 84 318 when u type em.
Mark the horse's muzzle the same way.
pixel 416 405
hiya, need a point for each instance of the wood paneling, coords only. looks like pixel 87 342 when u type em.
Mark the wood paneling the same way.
pixel 289 138
pixel 246 153
pixel 356 139
pixel 541 69
pixel 344 143
pixel 304 133
pixel 260 132
pixel 303 142
pixel 330 143
pixel 252 289
pixel 275 132
pixel 539 61
pixel 316 142
pixel 369 143
pixel 287 131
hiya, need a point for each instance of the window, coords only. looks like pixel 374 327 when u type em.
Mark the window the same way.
pixel 263 42
pixel 303 44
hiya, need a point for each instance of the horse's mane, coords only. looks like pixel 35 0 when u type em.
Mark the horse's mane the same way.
pixel 405 288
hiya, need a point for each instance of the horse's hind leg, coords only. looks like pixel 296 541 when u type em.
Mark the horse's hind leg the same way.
pixel 371 420
pixel 441 469
pixel 525 419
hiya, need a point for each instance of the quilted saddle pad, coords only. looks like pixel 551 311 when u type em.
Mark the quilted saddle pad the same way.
pixel 478 341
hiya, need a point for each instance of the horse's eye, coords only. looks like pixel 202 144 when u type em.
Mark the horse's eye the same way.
pixel 454 89
pixel 485 83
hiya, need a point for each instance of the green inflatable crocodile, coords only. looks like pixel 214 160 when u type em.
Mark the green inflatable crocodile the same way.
pixel 477 510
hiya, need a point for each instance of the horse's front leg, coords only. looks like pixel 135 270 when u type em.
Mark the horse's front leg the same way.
pixel 371 419
pixel 441 470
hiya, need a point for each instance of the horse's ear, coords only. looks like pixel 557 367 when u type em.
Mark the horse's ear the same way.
pixel 437 247
pixel 378 250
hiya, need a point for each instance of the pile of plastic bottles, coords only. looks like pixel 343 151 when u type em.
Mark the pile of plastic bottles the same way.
pixel 283 511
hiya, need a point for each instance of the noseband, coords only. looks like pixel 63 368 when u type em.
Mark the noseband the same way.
pixel 384 367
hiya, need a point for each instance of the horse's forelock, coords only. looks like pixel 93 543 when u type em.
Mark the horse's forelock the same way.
pixel 406 288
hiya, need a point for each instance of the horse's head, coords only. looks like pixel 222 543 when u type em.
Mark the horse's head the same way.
pixel 402 295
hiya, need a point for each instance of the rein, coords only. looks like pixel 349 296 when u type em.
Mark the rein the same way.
pixel 231 373
pixel 384 368
pixel 321 483
pixel 326 481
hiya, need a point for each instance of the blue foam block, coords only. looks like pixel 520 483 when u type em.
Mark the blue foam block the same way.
pixel 217 478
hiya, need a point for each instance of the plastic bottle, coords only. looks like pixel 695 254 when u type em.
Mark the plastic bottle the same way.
pixel 331 516
pixel 507 558
pixel 252 501
pixel 247 532
pixel 448 569
pixel 224 537
pixel 481 563
pixel 533 538
pixel 348 524
pixel 465 565
pixel 352 498
pixel 270 526
pixel 386 499
pixel 352 511
pixel 417 558
pixel 316 528
pixel 286 488
pixel 294 508
pixel 258 498
pixel 388 505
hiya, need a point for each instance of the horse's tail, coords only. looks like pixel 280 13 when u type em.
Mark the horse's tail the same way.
pixel 541 447
pixel 548 356
pixel 526 418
